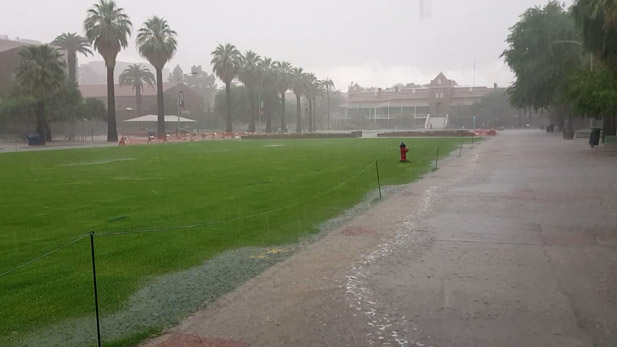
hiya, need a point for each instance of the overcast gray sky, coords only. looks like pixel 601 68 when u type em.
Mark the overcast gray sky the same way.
pixel 374 43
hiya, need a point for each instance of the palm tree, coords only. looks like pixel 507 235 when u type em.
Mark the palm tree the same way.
pixel 283 83
pixel 225 62
pixel 268 88
pixel 40 74
pixel 318 90
pixel 136 75
pixel 328 84
pixel 249 75
pixel 72 44
pixel 298 87
pixel 311 90
pixel 107 28
pixel 157 43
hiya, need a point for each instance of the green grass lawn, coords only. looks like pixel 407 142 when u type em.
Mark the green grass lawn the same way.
pixel 51 197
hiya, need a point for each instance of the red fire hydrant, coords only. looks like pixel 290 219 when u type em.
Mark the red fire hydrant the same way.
pixel 404 151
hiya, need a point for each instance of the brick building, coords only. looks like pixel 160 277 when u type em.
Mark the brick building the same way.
pixel 9 62
pixel 126 104
pixel 410 107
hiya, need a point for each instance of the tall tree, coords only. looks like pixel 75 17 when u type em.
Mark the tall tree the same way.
pixel 597 20
pixel 328 85
pixel 40 74
pixel 136 76
pixel 203 84
pixel 177 75
pixel 298 89
pixel 72 44
pixel 283 83
pixel 157 43
pixel 226 61
pixel 542 58
pixel 268 89
pixel 108 28
pixel 249 75
pixel 311 86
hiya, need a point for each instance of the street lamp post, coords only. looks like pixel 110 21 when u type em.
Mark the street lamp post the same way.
pixel 181 100
pixel 180 109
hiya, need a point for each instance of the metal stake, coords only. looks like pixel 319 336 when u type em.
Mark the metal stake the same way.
pixel 378 181
pixel 437 157
pixel 96 296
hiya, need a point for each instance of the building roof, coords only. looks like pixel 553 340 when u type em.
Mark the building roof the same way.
pixel 7 45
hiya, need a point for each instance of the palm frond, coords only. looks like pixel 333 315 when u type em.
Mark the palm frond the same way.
pixel 156 41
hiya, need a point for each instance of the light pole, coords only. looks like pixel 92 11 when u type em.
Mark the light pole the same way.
pixel 474 124
pixel 181 100
pixel 180 109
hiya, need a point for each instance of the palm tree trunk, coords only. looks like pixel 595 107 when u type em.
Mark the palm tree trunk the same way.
pixel 314 113
pixel 40 120
pixel 228 95
pixel 72 61
pixel 112 131
pixel 283 122
pixel 268 110
pixel 47 130
pixel 298 115
pixel 328 96
pixel 310 115
pixel 161 135
pixel 253 110
pixel 138 103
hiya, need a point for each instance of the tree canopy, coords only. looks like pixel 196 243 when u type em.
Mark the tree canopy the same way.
pixel 543 51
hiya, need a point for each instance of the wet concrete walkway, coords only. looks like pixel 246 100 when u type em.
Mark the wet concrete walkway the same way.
pixel 513 244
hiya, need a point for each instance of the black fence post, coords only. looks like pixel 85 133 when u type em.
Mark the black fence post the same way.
pixel 378 180
pixel 96 295
pixel 437 158
pixel 460 152
pixel 472 136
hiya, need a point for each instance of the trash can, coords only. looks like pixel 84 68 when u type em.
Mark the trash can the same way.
pixel 568 134
pixel 35 140
pixel 594 137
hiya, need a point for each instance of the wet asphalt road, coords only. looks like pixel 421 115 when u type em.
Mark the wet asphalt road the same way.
pixel 512 244
pixel 522 253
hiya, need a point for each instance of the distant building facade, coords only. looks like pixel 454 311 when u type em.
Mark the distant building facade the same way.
pixel 126 102
pixel 409 107
pixel 9 61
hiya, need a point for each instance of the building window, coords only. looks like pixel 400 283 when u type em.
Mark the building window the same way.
pixel 470 89
pixel 439 81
